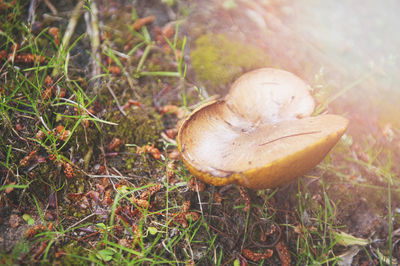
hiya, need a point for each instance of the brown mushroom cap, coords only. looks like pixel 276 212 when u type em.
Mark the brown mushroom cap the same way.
pixel 260 135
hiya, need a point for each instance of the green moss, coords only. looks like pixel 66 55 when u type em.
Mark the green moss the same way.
pixel 141 126
pixel 84 138
pixel 218 59
pixel 130 161
pixel 75 255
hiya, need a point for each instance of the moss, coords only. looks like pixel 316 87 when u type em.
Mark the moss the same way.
pixel 218 59
pixel 74 255
pixel 131 160
pixel 141 126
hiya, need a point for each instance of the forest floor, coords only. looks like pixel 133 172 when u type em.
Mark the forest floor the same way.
pixel 92 94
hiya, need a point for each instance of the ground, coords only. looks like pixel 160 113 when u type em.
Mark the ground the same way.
pixel 89 168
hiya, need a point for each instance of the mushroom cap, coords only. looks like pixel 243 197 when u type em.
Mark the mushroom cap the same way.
pixel 269 95
pixel 260 135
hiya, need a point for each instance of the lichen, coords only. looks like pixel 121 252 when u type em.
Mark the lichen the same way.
pixel 217 59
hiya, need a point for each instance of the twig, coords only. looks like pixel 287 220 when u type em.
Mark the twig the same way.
pixel 89 235
pixel 132 177
pixel 87 112
pixel 50 18
pixel 95 40
pixel 198 196
pixel 116 100
pixel 31 12
pixel 108 176
pixel 76 13
pixel 108 172
pixel 122 55
pixel 118 172
pixel 80 221
pixel 131 85
pixel 51 7
pixel 44 124
pixel 57 209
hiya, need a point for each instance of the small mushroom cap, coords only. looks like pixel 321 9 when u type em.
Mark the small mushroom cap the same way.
pixel 234 141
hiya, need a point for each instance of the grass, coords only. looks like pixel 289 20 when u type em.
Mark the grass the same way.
pixel 76 201
pixel 316 239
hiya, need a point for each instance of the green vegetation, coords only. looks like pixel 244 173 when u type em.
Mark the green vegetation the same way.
pixel 140 126
pixel 219 59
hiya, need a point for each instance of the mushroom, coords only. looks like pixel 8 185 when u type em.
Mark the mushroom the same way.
pixel 261 135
